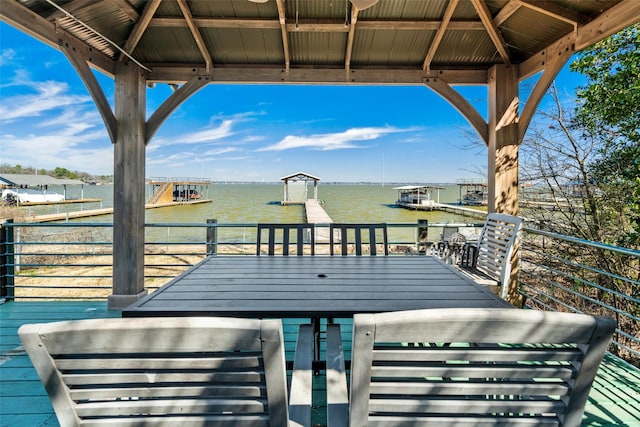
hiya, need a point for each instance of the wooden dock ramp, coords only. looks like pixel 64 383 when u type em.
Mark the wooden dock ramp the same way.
pixel 315 214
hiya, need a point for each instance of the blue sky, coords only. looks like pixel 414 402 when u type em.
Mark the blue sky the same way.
pixel 240 133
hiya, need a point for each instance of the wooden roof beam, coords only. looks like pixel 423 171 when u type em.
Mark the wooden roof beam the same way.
pixel 494 33
pixel 619 17
pixel 282 17
pixel 46 31
pixel 507 12
pixel 352 34
pixel 274 75
pixel 195 32
pixel 448 13
pixel 141 26
pixel 318 25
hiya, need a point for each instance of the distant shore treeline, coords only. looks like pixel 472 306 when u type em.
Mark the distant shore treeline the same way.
pixel 58 172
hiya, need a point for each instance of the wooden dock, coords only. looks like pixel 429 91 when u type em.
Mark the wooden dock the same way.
pixel 460 210
pixel 65 216
pixel 315 214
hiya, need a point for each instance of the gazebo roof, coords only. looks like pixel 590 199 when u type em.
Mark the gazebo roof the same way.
pixel 320 41
pixel 300 176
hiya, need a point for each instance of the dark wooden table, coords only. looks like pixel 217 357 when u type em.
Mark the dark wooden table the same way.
pixel 313 287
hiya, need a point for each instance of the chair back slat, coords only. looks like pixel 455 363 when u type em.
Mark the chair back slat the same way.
pixel 474 367
pixel 351 235
pixel 281 235
pixel 496 247
pixel 161 371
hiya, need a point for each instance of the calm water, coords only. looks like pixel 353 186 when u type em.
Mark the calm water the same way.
pixel 252 203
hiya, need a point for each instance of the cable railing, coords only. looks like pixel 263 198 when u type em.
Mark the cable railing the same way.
pixel 73 261
pixel 564 273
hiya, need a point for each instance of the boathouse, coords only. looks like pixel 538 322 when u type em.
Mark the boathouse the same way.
pixel 303 178
pixel 177 190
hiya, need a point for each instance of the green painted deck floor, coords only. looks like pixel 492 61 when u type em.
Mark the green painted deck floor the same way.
pixel 614 399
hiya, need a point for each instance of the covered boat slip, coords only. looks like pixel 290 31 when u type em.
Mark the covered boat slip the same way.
pixel 190 44
pixel 418 196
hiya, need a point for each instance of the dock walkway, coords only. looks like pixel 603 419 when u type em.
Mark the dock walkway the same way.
pixel 315 214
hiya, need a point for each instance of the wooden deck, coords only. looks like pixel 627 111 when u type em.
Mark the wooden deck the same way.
pixel 614 398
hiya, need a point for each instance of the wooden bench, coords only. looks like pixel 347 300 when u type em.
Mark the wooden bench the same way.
pixel 346 234
pixel 303 233
pixel 489 261
pixel 187 371
pixel 501 367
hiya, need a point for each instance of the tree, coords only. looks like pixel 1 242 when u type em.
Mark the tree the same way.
pixel 609 110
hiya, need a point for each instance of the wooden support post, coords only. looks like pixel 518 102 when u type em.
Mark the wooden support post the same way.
pixel 503 154
pixel 503 140
pixel 128 190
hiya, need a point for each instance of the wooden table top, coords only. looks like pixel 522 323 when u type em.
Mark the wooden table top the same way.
pixel 313 286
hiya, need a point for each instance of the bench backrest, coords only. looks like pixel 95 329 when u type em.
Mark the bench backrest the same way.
pixel 352 234
pixel 495 248
pixel 280 234
pixel 485 367
pixel 162 371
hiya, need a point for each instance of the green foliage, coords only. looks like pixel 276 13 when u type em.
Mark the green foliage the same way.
pixel 611 98
pixel 609 110
pixel 65 173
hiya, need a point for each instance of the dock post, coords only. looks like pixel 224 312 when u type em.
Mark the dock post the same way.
pixel 7 257
pixel 212 237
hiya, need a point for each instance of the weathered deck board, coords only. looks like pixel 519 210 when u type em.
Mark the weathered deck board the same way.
pixel 614 400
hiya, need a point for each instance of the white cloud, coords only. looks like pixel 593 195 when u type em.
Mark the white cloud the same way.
pixel 333 141
pixel 48 97
pixel 6 56
pixel 203 136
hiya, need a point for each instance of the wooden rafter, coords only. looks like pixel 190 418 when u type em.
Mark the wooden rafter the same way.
pixel 494 33
pixel 195 33
pixel 549 9
pixel 507 12
pixel 141 25
pixel 352 34
pixel 126 7
pixel 446 18
pixel 282 18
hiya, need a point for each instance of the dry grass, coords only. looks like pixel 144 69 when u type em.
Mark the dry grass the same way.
pixel 89 277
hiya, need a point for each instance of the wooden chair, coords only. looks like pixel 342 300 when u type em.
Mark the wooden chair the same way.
pixel 502 367
pixel 345 231
pixel 489 260
pixel 187 371
pixel 282 233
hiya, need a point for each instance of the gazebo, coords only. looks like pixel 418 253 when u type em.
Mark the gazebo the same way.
pixel 187 44
pixel 297 177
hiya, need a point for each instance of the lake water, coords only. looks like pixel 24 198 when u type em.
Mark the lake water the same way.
pixel 253 203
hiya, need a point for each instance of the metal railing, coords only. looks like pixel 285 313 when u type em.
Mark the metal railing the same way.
pixel 73 260
pixel 564 273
